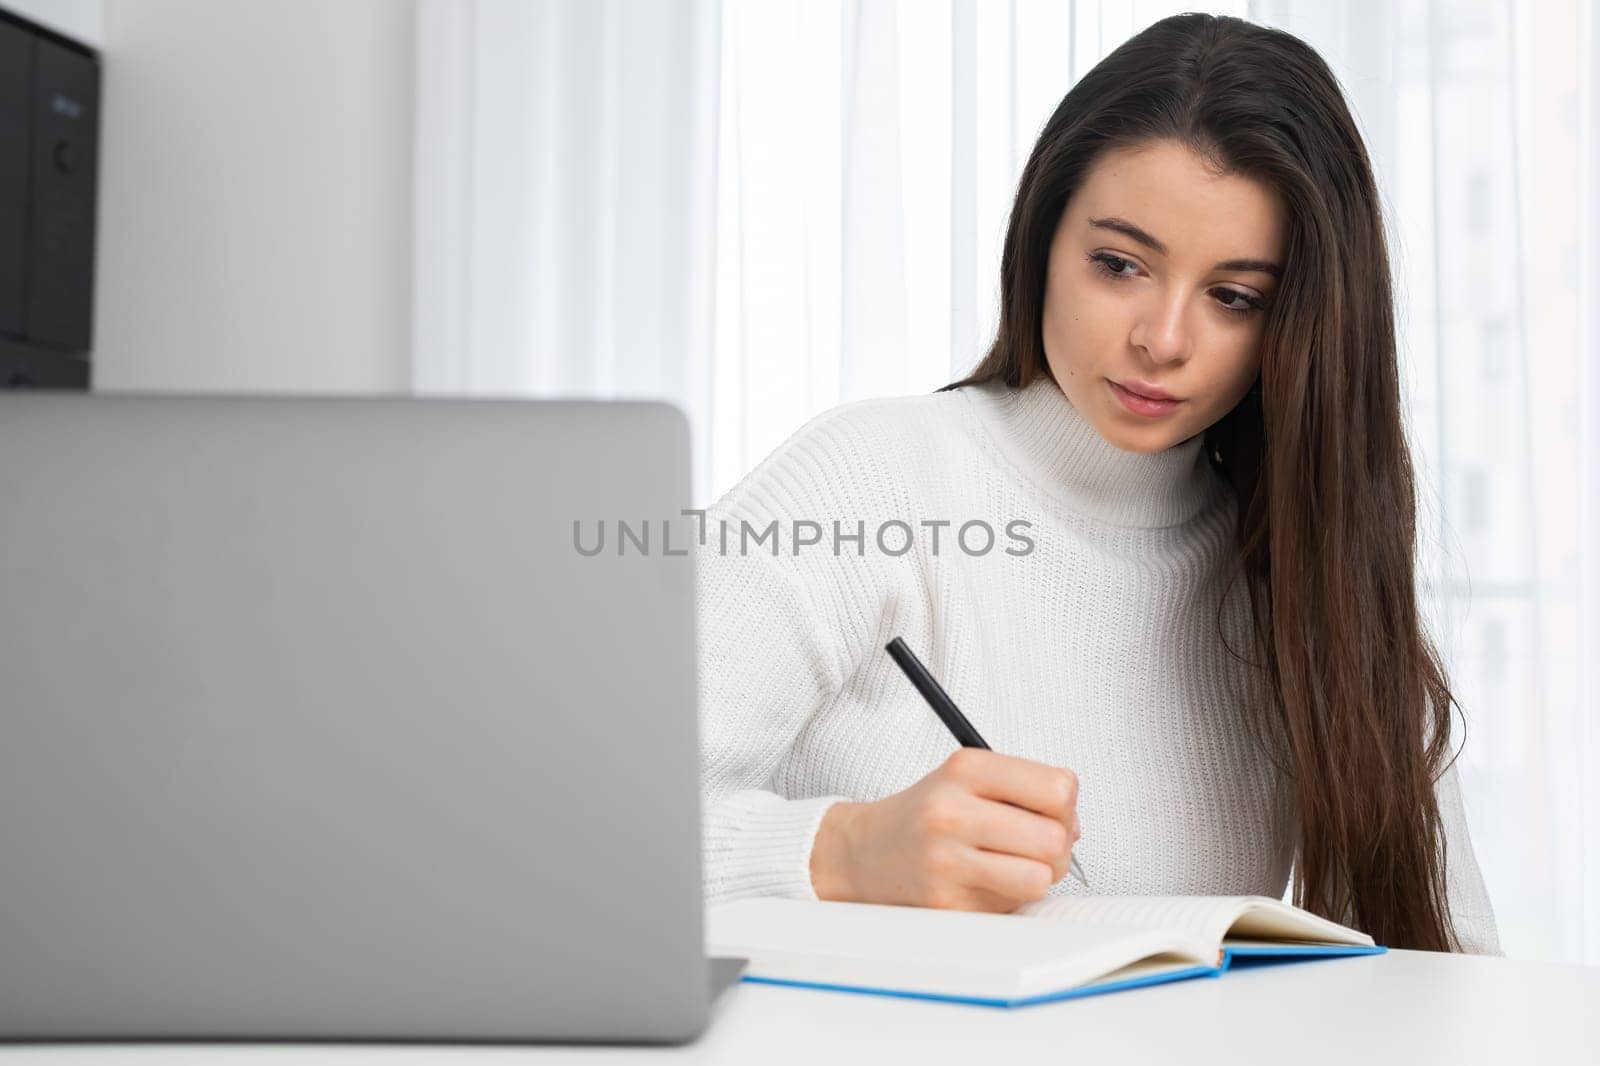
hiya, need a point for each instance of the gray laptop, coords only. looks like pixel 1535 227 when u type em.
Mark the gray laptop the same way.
pixel 319 726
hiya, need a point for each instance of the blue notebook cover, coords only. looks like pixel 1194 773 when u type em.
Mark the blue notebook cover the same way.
pixel 1253 955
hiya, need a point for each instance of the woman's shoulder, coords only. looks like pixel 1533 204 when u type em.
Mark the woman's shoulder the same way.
pixel 854 447
pixel 887 421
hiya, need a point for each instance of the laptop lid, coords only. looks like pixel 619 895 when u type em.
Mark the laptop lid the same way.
pixel 319 726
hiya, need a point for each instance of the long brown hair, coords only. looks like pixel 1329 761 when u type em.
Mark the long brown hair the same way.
pixel 1315 451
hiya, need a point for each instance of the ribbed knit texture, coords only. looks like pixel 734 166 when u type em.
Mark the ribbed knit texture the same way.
pixel 1097 650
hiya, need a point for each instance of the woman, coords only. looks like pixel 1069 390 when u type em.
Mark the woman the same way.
pixel 1190 634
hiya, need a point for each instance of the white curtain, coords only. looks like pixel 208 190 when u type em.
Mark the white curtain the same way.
pixel 762 208
pixel 565 199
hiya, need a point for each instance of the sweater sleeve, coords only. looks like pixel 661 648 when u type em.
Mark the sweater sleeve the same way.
pixel 1470 910
pixel 780 631
pixel 761 675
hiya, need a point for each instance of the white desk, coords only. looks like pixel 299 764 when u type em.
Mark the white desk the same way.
pixel 1404 1006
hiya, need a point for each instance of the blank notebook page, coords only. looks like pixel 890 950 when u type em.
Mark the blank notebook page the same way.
pixel 1205 917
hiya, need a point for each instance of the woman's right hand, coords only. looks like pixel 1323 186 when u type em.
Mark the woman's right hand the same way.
pixel 981 832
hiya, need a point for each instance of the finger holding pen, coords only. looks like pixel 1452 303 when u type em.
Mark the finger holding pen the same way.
pixel 966 735
pixel 981 831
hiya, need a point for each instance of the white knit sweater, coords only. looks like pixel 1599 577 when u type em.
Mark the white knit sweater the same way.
pixel 1087 638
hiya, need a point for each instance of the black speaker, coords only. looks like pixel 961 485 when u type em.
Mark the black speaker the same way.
pixel 49 156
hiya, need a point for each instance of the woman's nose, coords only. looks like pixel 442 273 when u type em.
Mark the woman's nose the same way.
pixel 1161 331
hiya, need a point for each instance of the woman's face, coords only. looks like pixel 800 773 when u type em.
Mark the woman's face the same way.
pixel 1158 273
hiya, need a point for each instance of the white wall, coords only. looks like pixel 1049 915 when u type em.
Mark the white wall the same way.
pixel 78 19
pixel 255 196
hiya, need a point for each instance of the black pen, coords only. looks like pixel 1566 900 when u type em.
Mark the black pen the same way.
pixel 948 712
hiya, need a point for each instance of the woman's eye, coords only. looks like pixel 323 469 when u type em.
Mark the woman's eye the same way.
pixel 1110 265
pixel 1245 304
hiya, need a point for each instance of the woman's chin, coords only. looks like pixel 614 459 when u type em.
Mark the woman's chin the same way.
pixel 1144 439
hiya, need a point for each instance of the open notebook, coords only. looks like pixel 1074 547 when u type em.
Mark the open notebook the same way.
pixel 1053 948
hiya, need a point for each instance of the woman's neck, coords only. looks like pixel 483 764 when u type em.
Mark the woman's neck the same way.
pixel 1050 441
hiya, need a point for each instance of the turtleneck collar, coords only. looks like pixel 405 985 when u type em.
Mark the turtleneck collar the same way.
pixel 1037 427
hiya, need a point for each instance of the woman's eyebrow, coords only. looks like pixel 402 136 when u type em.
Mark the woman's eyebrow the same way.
pixel 1128 229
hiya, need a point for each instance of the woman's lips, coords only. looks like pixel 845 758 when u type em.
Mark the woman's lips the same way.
pixel 1142 405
